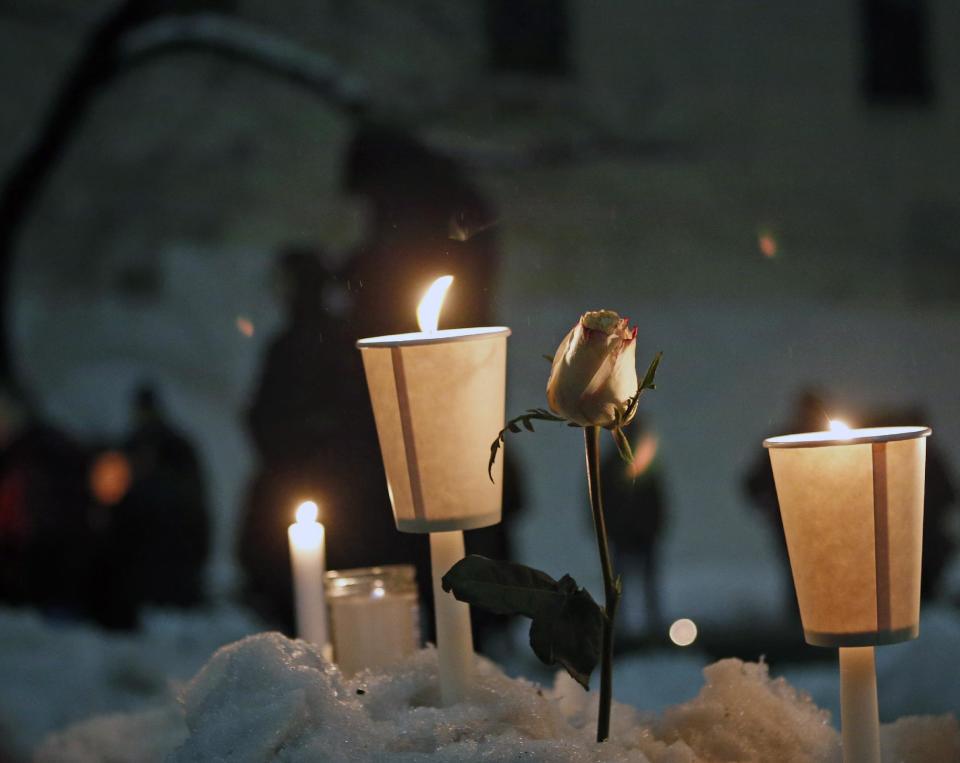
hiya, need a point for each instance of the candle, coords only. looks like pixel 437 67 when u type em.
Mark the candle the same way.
pixel 308 558
pixel 438 401
pixel 374 616
pixel 852 507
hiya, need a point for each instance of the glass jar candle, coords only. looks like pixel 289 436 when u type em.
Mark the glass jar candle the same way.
pixel 374 616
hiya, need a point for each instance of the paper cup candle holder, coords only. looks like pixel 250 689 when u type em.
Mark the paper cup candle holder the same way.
pixel 852 507
pixel 438 401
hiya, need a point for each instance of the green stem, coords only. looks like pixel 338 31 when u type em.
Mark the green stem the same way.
pixel 611 586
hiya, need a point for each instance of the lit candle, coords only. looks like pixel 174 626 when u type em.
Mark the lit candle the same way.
pixel 308 557
pixel 852 508
pixel 438 400
pixel 374 616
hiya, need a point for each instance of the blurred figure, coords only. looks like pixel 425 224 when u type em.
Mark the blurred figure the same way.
pixel 939 504
pixel 425 220
pixel 155 535
pixel 808 415
pixel 312 427
pixel 939 508
pixel 310 418
pixel 496 542
pixel 44 543
pixel 635 507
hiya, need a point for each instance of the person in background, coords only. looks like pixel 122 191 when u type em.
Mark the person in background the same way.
pixel 425 219
pixel 155 531
pixel 44 537
pixel 312 428
pixel 635 505
pixel 808 415
pixel 310 417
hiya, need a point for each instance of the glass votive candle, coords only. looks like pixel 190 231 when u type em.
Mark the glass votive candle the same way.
pixel 374 616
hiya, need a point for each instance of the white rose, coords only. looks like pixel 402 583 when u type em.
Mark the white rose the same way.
pixel 594 370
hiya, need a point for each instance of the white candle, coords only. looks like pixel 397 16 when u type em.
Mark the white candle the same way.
pixel 308 557
pixel 454 637
pixel 859 714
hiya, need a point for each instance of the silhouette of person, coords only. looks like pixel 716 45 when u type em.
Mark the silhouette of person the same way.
pixel 312 427
pixel 157 535
pixel 635 507
pixel 808 415
pixel 310 419
pixel 496 542
pixel 43 530
pixel 425 220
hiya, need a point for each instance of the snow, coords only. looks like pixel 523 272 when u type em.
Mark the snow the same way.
pixel 267 698
pixel 54 675
pixel 911 677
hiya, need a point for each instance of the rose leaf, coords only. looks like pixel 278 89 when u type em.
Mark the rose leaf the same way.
pixel 567 624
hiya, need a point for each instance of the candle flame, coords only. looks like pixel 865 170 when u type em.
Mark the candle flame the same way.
pixel 428 311
pixel 839 427
pixel 307 512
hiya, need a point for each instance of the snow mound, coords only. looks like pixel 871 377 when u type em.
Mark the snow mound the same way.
pixel 741 714
pixel 59 674
pixel 267 698
pixel 145 736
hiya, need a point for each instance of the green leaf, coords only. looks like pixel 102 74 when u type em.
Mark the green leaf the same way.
pixel 623 444
pixel 527 419
pixel 651 373
pixel 646 383
pixel 567 624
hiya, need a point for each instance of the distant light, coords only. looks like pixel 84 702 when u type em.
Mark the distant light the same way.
pixel 840 427
pixel 307 512
pixel 643 455
pixel 768 245
pixel 378 592
pixel 683 632
pixel 245 326
pixel 110 477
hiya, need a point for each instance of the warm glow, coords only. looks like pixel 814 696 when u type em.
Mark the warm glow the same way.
pixel 307 512
pixel 683 632
pixel 110 477
pixel 245 326
pixel 839 427
pixel 643 455
pixel 428 311
pixel 768 245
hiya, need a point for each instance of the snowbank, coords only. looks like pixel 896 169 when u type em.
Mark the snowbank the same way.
pixel 267 698
pixel 54 675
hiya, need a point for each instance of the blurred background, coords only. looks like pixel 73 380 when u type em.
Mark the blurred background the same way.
pixel 205 202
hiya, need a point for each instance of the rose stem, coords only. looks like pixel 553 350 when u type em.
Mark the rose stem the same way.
pixel 611 587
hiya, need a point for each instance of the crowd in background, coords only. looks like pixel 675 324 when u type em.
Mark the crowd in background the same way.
pixel 96 530
pixel 99 530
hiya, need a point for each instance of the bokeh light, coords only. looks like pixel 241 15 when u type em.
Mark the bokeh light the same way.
pixel 683 632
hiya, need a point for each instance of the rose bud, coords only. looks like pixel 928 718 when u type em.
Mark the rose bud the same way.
pixel 594 370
